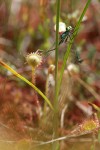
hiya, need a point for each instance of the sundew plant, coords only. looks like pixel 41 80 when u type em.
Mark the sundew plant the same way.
pixel 49 75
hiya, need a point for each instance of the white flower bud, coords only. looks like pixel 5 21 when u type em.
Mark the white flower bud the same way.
pixel 62 27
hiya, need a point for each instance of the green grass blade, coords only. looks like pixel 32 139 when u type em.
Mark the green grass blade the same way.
pixel 70 44
pixel 56 51
pixel 55 117
pixel 28 82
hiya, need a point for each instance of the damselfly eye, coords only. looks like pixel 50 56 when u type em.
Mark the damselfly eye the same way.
pixel 69 28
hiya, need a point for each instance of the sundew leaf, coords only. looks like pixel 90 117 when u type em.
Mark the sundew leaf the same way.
pixel 28 82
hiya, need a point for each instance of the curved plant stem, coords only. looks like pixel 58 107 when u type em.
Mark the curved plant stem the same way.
pixel 28 82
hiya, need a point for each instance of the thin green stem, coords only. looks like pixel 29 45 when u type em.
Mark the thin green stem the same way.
pixel 56 51
pixel 46 93
pixel 33 76
pixel 56 121
pixel 70 45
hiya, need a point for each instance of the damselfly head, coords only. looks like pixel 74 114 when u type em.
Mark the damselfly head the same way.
pixel 69 28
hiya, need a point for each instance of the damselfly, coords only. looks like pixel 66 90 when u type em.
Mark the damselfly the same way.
pixel 64 36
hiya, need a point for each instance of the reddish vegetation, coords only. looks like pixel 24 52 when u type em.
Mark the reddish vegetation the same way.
pixel 19 104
